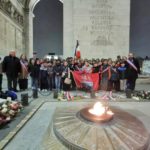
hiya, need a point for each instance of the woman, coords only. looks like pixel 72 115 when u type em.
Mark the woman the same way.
pixel 66 86
pixel 34 69
pixel 43 76
pixel 23 81
pixel 57 69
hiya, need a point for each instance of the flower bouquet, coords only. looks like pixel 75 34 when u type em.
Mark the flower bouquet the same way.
pixel 141 95
pixel 8 111
pixel 64 96
pixel 61 96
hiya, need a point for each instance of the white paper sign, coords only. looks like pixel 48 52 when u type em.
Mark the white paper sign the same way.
pixel 146 67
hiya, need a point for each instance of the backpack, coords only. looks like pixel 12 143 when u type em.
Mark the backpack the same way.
pixel 11 94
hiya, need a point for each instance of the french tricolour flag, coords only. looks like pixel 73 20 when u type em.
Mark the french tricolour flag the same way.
pixel 77 53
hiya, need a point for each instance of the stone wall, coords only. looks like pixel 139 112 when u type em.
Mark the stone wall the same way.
pixel 11 29
pixel 101 26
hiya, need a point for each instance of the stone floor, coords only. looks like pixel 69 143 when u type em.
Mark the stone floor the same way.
pixel 31 135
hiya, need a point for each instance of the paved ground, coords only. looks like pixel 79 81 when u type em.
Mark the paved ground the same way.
pixel 30 137
pixel 32 103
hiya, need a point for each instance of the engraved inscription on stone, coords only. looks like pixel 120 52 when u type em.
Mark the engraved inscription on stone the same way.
pixel 101 26
pixel 101 16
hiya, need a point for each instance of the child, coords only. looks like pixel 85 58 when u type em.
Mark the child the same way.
pixel 113 82
pixel 105 77
pixel 122 75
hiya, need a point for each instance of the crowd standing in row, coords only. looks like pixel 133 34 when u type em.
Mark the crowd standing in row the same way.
pixel 47 74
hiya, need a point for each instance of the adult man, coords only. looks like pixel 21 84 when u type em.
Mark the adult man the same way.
pixel 133 69
pixel 12 67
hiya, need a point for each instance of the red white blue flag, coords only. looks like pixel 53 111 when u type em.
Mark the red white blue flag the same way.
pixel 77 53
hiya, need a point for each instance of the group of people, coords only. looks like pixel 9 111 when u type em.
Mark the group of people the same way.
pixel 45 74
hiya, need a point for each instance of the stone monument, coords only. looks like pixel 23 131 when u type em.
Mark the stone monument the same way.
pixel 95 128
pixel 101 26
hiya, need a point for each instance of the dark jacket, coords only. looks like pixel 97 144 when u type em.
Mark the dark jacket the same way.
pixel 96 69
pixel 43 73
pixel 114 74
pixel 65 71
pixel 131 72
pixel 30 69
pixel 34 71
pixel 11 66
pixel 50 71
pixel 122 73
pixel 72 67
pixel 105 74
pixel 58 69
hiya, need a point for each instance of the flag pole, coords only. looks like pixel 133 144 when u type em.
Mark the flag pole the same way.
pixel 76 48
pixel 77 44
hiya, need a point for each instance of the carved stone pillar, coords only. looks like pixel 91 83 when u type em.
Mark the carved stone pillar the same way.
pixel 28 32
pixel 68 29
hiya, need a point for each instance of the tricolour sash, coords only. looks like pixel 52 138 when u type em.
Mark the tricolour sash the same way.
pixel 23 65
pixel 132 65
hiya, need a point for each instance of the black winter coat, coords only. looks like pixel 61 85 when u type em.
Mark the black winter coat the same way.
pixel 58 69
pixel 34 71
pixel 131 72
pixel 96 69
pixel 11 66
